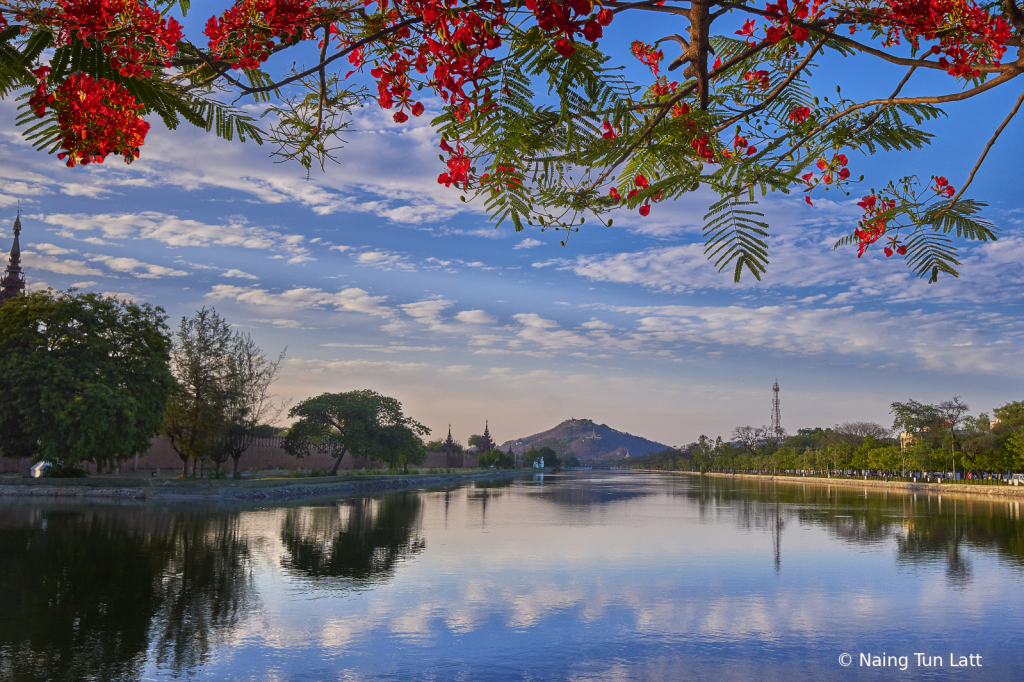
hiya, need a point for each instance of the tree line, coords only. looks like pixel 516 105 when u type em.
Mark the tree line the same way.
pixel 85 378
pixel 943 437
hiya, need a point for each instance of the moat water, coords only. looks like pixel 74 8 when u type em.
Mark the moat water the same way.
pixel 580 576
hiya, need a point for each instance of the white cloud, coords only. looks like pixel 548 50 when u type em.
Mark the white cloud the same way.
pixel 238 273
pixel 62 267
pixel 475 317
pixel 135 267
pixel 427 312
pixel 174 231
pixel 52 249
pixel 527 243
pixel 383 260
pixel 347 300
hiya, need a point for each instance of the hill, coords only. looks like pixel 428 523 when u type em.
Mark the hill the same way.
pixel 587 440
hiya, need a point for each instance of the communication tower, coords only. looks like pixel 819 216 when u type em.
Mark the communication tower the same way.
pixel 777 432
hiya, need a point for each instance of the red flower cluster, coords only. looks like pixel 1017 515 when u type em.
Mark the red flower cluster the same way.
pixel 458 166
pixel 799 114
pixel 639 182
pixel 702 145
pixel 564 19
pixel 245 33
pixel 967 35
pixel 609 132
pixel 648 55
pixel 757 79
pixel 134 33
pixel 455 42
pixel 781 17
pixel 942 187
pixel 96 118
pixel 740 147
pixel 873 225
pixel 661 87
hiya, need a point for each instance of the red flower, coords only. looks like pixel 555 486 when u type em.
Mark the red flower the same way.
pixel 799 114
pixel 888 251
pixel 614 194
pixel 565 47
pixel 645 209
pixel 592 30
pixel 902 250
pixel 605 16
pixel 844 173
pixel 808 200
pixel 641 182
pixel 417 109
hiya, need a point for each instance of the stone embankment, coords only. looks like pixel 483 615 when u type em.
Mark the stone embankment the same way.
pixel 920 487
pixel 268 490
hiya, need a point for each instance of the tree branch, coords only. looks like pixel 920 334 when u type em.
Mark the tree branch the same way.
pixel 984 153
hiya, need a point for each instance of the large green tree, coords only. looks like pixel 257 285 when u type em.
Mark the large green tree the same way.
pixel 82 377
pixel 360 423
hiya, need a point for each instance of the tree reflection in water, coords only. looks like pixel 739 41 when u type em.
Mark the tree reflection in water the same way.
pixel 926 529
pixel 206 587
pixel 359 539
pixel 84 590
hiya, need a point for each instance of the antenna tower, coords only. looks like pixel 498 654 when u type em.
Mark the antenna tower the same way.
pixel 776 413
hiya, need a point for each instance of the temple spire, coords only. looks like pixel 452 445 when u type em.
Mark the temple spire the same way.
pixel 13 282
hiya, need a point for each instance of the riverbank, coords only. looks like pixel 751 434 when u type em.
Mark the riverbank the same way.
pixel 261 490
pixel 928 488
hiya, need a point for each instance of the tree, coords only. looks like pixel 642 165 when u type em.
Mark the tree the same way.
pixel 250 404
pixel 915 418
pixel 862 430
pixel 952 413
pixel 82 377
pixel 497 458
pixel 538 122
pixel 549 455
pixel 196 412
pixel 343 423
pixel 397 445
pixel 474 440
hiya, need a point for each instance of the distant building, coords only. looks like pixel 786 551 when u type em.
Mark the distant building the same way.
pixel 906 439
pixel 485 444
pixel 13 282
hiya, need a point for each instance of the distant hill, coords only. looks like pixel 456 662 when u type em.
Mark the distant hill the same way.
pixel 586 440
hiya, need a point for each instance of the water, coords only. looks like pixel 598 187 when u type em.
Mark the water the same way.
pixel 583 576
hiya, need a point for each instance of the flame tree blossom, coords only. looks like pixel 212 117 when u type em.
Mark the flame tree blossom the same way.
pixel 526 91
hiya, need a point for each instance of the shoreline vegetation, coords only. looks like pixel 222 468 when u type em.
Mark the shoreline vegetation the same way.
pixel 253 490
pixel 948 487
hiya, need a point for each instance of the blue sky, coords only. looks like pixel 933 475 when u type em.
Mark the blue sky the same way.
pixel 374 276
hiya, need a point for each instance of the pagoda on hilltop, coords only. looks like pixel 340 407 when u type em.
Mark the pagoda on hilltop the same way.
pixel 13 282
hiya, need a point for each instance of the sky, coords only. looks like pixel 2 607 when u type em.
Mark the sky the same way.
pixel 374 276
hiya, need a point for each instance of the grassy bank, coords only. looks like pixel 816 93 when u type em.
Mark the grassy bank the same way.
pixel 945 488
pixel 250 489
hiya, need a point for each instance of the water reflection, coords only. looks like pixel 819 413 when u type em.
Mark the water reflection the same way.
pixel 78 591
pixel 581 576
pixel 205 587
pixel 358 539
pixel 84 591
